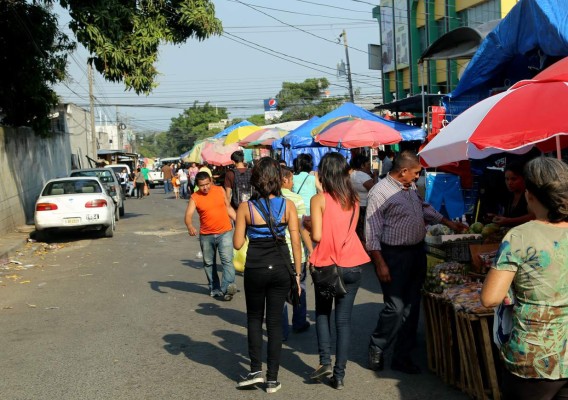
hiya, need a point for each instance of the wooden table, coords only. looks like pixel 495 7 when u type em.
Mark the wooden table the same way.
pixel 460 347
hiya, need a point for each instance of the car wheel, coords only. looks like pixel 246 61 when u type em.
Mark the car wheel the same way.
pixel 121 210
pixel 116 214
pixel 109 230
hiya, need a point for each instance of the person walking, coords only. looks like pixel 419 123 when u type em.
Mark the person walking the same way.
pixel 334 210
pixel 192 171
pixel 304 182
pixel 395 230
pixel 140 182
pixel 167 175
pixel 299 314
pixel 533 262
pixel 215 234
pixel 362 182
pixel 182 176
pixel 267 277
pixel 237 180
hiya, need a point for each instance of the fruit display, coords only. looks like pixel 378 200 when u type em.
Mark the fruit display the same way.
pixel 444 275
pixel 438 230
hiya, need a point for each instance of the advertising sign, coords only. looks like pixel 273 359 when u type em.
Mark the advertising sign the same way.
pixel 270 104
pixel 387 35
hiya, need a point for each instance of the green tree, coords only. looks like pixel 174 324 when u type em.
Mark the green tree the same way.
pixel 188 127
pixel 122 37
pixel 257 119
pixel 305 99
pixel 33 57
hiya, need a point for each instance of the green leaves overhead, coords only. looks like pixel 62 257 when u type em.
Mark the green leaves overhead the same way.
pixel 123 36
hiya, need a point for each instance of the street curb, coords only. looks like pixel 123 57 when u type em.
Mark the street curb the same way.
pixel 11 243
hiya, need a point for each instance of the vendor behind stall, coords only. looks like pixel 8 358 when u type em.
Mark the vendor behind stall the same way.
pixel 515 210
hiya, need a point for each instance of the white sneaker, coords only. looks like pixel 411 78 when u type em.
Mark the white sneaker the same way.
pixel 251 379
pixel 272 386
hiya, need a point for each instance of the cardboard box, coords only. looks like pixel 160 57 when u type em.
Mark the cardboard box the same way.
pixel 476 250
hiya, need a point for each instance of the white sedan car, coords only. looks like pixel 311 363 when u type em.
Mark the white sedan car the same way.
pixel 78 203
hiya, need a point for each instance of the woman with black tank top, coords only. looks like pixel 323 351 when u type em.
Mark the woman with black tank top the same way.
pixel 264 219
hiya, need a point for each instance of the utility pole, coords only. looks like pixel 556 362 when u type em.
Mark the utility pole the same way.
pixel 344 35
pixel 92 109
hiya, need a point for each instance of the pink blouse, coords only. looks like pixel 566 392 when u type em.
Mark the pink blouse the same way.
pixel 338 245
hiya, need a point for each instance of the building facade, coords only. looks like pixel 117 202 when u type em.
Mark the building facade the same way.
pixel 409 27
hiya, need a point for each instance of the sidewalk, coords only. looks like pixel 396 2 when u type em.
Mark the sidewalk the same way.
pixel 11 242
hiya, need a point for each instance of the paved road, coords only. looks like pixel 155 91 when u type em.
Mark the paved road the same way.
pixel 130 318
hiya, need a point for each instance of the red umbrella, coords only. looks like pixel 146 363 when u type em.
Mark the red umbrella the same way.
pixel 217 153
pixel 531 113
pixel 353 133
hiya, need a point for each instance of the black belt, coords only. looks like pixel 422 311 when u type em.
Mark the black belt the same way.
pixel 401 246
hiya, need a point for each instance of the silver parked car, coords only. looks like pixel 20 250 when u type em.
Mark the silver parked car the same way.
pixel 109 179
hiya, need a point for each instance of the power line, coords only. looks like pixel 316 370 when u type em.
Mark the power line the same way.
pixel 297 13
pixel 293 26
pixel 330 6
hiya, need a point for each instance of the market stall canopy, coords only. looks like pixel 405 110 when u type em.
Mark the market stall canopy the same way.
pixel 532 36
pixel 240 133
pixel 349 133
pixel 303 136
pixel 531 113
pixel 218 153
pixel 231 128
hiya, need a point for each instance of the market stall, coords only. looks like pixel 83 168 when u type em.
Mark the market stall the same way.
pixel 458 328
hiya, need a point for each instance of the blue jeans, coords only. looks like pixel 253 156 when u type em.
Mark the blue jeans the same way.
pixel 300 313
pixel 183 189
pixel 223 244
pixel 343 308
pixel 168 186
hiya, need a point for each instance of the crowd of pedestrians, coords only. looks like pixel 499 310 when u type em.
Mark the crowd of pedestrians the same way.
pixel 347 217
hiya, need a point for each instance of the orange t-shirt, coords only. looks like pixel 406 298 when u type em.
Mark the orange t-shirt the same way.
pixel 213 215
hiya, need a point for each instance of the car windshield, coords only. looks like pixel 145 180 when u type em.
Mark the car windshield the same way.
pixel 71 187
pixel 105 176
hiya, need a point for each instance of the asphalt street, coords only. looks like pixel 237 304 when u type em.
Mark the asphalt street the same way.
pixel 130 317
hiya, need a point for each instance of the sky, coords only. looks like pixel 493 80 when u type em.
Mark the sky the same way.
pixel 264 44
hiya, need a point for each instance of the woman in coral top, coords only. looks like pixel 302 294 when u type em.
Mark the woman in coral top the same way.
pixel 334 216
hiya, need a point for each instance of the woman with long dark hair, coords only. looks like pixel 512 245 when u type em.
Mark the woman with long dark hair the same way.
pixel 267 277
pixel 334 219
pixel 533 262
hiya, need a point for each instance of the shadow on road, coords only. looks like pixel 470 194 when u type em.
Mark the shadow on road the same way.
pixel 199 288
pixel 196 264
pixel 228 363
pixel 229 315
pixel 129 215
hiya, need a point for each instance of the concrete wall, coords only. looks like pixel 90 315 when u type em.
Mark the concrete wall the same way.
pixel 26 163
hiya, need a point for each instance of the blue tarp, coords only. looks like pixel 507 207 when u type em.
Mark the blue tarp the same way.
pixel 532 36
pixel 231 128
pixel 302 135
pixel 289 154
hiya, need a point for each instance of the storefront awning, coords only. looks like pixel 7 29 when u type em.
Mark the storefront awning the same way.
pixel 411 104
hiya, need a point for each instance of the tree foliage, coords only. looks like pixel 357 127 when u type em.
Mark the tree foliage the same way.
pixel 305 99
pixel 188 127
pixel 33 57
pixel 122 37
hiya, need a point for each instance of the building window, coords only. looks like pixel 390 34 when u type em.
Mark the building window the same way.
pixel 482 13
pixel 423 39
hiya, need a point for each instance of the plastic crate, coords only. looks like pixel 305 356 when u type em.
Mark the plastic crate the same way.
pixel 456 250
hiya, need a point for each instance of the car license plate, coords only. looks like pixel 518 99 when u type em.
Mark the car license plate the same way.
pixel 71 221
pixel 92 217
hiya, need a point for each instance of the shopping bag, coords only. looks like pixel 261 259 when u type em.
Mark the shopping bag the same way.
pixel 240 257
pixel 146 190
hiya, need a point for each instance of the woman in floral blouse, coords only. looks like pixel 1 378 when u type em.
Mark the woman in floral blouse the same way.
pixel 533 261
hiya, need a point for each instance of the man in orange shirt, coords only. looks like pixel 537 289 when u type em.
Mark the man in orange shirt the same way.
pixel 215 234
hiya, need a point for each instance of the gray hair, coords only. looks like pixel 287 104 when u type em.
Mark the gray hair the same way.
pixel 547 179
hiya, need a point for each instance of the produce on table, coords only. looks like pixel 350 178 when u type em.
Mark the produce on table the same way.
pixel 444 275
pixel 438 230
pixel 476 228
pixel 489 229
